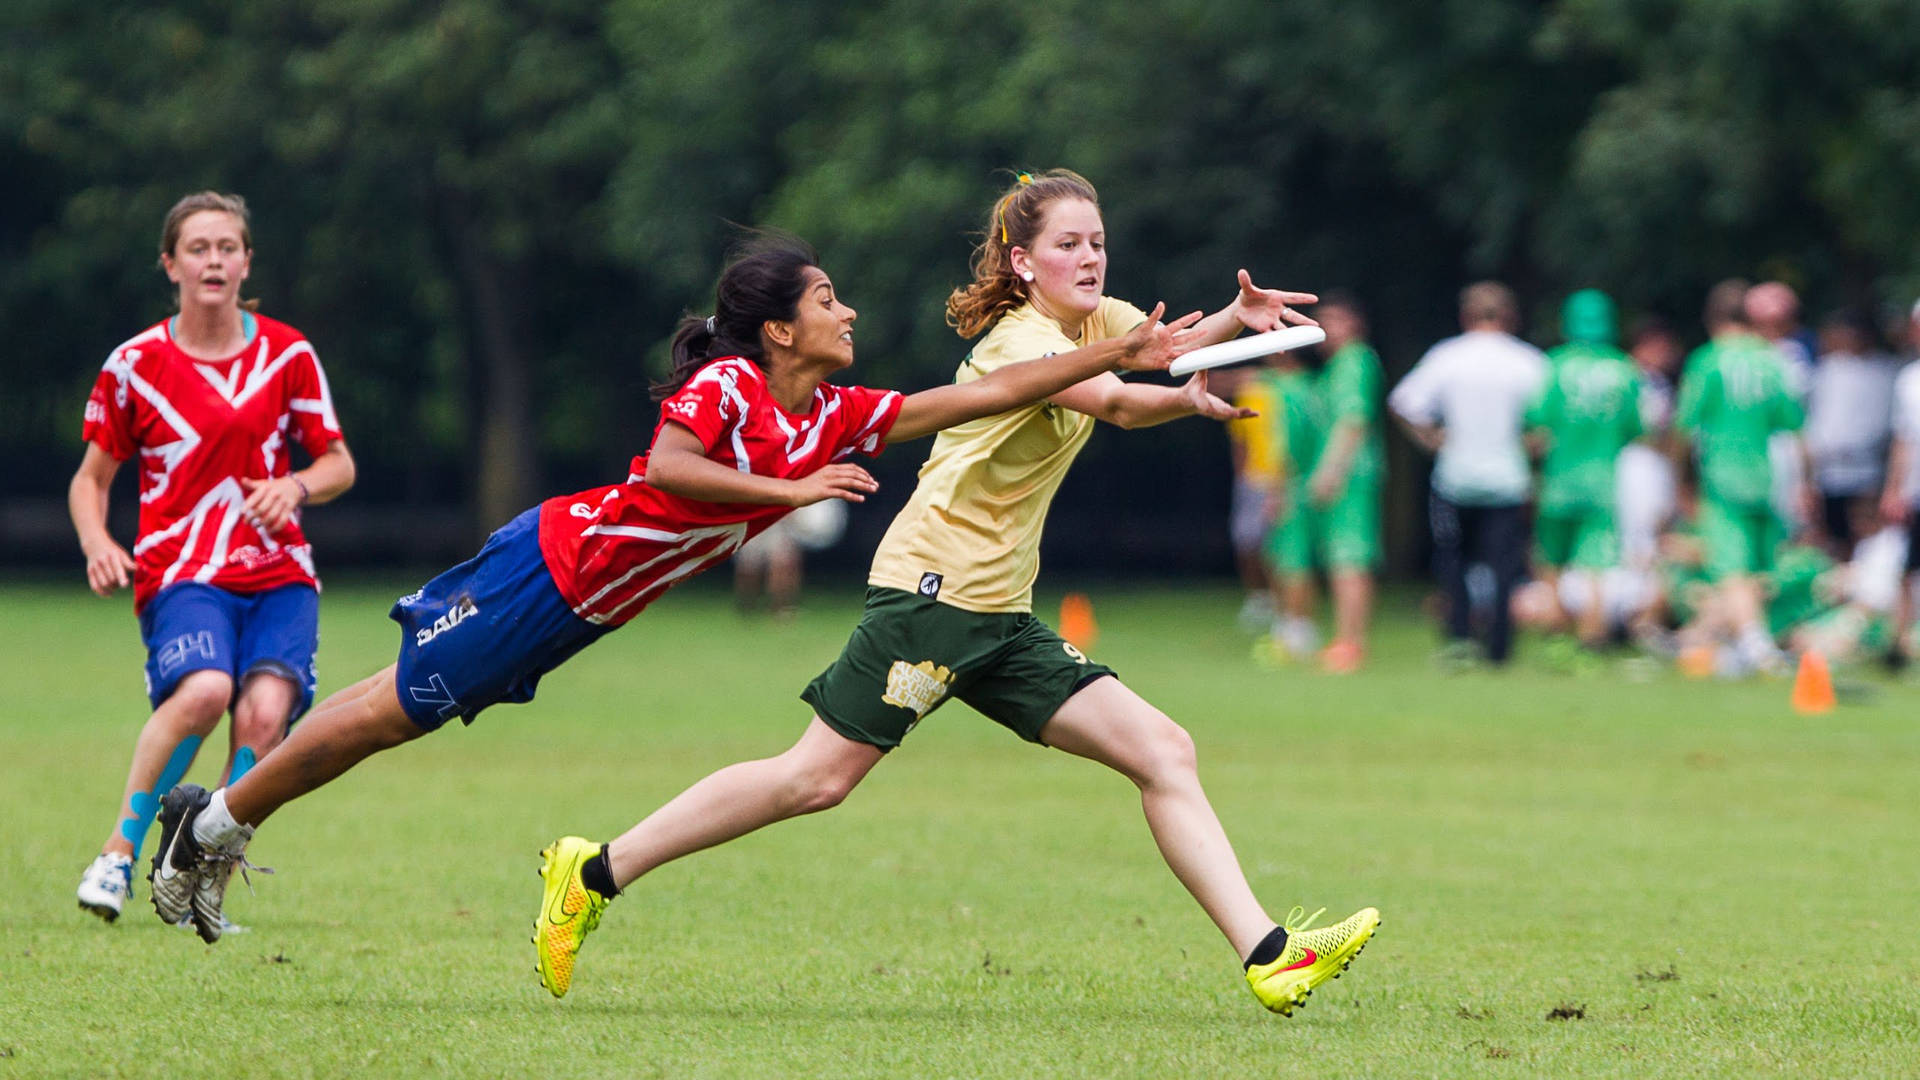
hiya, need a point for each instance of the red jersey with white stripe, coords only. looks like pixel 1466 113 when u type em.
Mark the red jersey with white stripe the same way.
pixel 199 427
pixel 613 550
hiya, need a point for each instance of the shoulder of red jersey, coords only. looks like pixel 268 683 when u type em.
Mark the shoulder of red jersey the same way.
pixel 148 342
pixel 869 413
pixel 718 394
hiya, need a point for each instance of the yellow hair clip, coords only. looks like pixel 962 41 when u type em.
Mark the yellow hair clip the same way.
pixel 1025 178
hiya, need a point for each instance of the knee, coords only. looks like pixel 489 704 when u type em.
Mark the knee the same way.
pixel 813 787
pixel 196 705
pixel 1171 756
pixel 260 717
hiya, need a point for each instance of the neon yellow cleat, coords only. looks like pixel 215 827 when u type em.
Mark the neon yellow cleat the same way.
pixel 1310 958
pixel 569 911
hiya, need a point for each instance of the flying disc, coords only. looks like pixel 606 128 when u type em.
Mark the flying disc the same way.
pixel 1285 339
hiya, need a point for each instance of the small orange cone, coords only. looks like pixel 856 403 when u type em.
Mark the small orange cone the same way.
pixel 1076 621
pixel 1812 685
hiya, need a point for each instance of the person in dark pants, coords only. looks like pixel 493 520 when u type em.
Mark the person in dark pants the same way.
pixel 1465 402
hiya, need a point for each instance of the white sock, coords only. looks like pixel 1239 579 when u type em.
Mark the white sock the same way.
pixel 215 828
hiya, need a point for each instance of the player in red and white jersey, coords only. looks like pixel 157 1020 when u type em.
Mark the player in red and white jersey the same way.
pixel 613 550
pixel 211 402
pixel 749 429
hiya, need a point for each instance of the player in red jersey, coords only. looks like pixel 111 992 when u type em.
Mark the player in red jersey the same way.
pixel 749 429
pixel 212 400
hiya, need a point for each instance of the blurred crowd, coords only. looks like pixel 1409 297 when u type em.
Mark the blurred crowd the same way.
pixel 1722 508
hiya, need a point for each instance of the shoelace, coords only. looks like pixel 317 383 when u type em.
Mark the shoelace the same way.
pixel 214 858
pixel 1294 924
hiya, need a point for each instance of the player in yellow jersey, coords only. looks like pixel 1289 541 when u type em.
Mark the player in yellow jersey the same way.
pixel 948 610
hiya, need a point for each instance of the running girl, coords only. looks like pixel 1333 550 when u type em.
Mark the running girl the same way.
pixel 948 614
pixel 211 400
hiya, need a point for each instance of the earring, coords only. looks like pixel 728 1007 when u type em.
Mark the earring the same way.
pixel 1026 275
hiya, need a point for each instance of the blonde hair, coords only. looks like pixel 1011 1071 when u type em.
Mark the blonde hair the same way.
pixel 194 204
pixel 1015 222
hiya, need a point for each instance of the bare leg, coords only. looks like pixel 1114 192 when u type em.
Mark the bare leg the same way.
pixel 259 722
pixel 815 774
pixel 1352 604
pixel 166 746
pixel 1593 621
pixel 1108 723
pixel 348 727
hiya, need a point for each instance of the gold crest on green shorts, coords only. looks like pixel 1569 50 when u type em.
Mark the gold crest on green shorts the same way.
pixel 916 686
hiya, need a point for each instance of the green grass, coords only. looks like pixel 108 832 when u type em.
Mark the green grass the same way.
pixel 1719 888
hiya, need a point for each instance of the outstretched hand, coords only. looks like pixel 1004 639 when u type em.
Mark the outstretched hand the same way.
pixel 1153 345
pixel 1261 310
pixel 848 482
pixel 1207 405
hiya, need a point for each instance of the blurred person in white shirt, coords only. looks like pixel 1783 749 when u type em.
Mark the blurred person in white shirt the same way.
pixel 1849 421
pixel 1465 402
pixel 1901 493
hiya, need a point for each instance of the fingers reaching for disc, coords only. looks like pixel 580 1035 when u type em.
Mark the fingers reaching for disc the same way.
pixel 1261 310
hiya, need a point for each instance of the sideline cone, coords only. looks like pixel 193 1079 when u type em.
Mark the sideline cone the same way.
pixel 1076 621
pixel 1812 685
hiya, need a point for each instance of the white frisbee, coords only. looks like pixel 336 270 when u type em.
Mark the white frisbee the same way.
pixel 1285 339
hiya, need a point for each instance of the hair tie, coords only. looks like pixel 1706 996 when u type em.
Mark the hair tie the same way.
pixel 1025 179
pixel 712 328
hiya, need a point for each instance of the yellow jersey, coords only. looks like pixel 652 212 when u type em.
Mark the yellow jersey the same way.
pixel 970 534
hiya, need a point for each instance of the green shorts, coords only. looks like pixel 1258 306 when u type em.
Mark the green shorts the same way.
pixel 1290 540
pixel 1344 535
pixel 1577 536
pixel 910 654
pixel 1347 531
pixel 1738 539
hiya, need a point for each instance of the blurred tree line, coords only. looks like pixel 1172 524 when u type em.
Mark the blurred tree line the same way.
pixel 488 215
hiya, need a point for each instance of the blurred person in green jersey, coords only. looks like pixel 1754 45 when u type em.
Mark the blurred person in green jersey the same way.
pixel 1734 396
pixel 1587 412
pixel 1298 424
pixel 1344 488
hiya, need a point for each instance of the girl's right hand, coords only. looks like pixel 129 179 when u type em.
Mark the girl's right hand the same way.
pixel 1153 346
pixel 109 567
pixel 849 482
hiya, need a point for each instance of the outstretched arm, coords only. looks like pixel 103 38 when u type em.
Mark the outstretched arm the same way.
pixel 678 465
pixel 1151 346
pixel 1136 405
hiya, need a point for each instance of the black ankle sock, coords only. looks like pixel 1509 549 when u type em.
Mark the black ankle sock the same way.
pixel 1269 948
pixel 595 874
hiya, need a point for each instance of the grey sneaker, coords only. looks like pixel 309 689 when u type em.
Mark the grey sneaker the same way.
pixel 175 876
pixel 105 885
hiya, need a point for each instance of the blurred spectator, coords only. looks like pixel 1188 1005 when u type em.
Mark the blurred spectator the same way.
pixel 1849 421
pixel 1464 402
pixel 1256 480
pixel 1345 486
pixel 1733 399
pixel 1773 311
pixel 769 566
pixel 1298 421
pixel 1588 411
pixel 1901 494
pixel 1645 476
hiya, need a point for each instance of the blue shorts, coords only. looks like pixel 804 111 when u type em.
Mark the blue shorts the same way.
pixel 485 631
pixel 192 627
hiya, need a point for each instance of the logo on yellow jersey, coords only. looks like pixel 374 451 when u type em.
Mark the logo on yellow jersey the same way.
pixel 916 686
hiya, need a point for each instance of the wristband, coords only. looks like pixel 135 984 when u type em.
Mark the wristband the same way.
pixel 304 493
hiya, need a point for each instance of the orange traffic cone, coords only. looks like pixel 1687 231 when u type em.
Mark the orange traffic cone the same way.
pixel 1076 621
pixel 1812 685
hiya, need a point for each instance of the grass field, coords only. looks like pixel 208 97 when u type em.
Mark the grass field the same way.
pixel 1579 876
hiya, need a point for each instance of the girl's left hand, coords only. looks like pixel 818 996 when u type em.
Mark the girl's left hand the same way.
pixel 271 503
pixel 1209 406
pixel 1261 310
